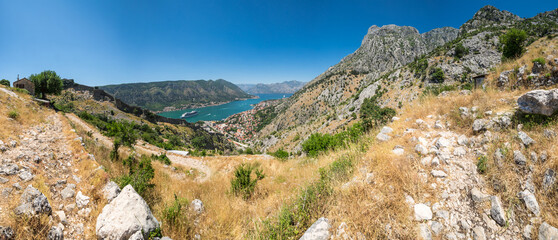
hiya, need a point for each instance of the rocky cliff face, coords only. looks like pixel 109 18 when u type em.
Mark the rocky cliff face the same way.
pixel 390 46
pixel 386 64
pixel 489 16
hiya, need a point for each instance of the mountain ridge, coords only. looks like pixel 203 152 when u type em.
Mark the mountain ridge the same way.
pixel 179 94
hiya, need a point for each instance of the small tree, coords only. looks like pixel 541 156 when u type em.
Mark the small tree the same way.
pixel 460 50
pixel 373 115
pixel 47 82
pixel 437 75
pixel 513 42
pixel 5 82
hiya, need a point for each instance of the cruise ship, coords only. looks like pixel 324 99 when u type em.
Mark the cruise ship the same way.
pixel 189 114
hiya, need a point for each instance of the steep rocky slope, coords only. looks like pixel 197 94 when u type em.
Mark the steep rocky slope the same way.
pixel 396 65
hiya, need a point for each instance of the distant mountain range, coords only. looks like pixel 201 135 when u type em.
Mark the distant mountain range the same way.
pixel 175 95
pixel 269 88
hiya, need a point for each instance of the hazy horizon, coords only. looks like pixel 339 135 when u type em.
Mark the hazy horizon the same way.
pixel 105 42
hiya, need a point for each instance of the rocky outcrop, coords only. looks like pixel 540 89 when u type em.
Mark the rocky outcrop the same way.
pixel 111 191
pixel 33 202
pixel 543 102
pixel 125 215
pixel 489 16
pixel 318 231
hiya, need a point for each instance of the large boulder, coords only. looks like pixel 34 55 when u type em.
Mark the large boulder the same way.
pixel 33 202
pixel 543 102
pixel 497 211
pixel 125 215
pixel 318 231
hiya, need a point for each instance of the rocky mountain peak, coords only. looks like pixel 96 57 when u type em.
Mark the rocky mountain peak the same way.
pixel 489 16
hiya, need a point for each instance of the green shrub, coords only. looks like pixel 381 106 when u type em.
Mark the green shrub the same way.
pixel 460 50
pixel 243 184
pixel 437 89
pixel 481 164
pixel 174 211
pixel 5 82
pixel 280 154
pixel 249 151
pixel 162 158
pixel 539 60
pixel 317 143
pixel 373 115
pixel 140 175
pixel 513 41
pixel 13 114
pixel 437 75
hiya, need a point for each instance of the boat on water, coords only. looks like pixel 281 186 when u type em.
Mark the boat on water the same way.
pixel 189 114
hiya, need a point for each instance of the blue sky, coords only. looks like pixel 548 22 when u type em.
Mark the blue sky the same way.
pixel 108 41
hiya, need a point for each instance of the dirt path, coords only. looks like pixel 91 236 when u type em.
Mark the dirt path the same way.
pixel 148 149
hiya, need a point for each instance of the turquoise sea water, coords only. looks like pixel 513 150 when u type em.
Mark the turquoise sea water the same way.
pixel 216 113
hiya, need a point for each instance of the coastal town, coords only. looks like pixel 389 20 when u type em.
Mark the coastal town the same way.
pixel 240 127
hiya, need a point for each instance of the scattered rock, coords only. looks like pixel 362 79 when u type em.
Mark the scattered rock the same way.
pixel 498 157
pixel 519 158
pixel 33 202
pixel 543 102
pixel 442 143
pixel 544 156
pixel 3 180
pixel 81 200
pixel 525 139
pixel 398 150
pixel 110 191
pixel 436 227
pixel 419 148
pixel 68 192
pixel 25 176
pixel 422 212
pixel 61 217
pixel 464 225
pixel 463 140
pixel 478 233
pixel 478 196
pixel 530 201
pixel 442 214
pixel 197 205
pixel 6 233
pixel 438 174
pixel 386 130
pixel 55 233
pixel 382 137
pixel 369 178
pixel 424 232
pixel 459 151
pixel 318 231
pixel 549 133
pixel 9 169
pixel 125 215
pixel 549 179
pixel 497 211
pixel 547 232
pixel 480 125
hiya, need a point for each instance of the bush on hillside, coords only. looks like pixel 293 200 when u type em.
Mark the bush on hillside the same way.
pixel 437 75
pixel 243 184
pixel 13 114
pixel 539 60
pixel 280 154
pixel 140 175
pixel 460 51
pixel 372 115
pixel 513 41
